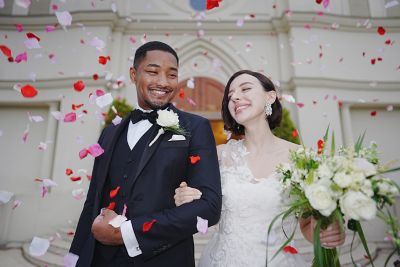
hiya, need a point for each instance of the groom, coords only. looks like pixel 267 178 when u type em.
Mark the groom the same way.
pixel 138 172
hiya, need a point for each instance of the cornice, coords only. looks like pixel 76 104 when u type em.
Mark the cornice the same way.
pixel 181 26
pixel 339 84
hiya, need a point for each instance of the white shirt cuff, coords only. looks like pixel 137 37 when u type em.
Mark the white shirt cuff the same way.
pixel 130 241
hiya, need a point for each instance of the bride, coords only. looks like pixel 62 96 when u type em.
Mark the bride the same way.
pixel 250 188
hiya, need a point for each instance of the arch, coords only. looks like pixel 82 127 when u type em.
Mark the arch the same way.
pixel 207 53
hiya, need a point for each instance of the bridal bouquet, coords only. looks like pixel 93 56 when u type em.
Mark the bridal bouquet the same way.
pixel 333 186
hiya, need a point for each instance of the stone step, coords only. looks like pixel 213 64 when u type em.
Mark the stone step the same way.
pixel 67 233
pixel 59 246
pixel 49 259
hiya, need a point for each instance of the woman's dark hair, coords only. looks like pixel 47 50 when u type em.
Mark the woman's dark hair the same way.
pixel 230 124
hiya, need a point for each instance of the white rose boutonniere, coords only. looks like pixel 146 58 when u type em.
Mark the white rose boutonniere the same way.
pixel 169 121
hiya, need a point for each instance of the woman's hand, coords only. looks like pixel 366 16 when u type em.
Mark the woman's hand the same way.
pixel 185 194
pixel 331 237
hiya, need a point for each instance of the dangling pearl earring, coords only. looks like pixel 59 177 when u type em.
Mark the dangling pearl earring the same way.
pixel 268 109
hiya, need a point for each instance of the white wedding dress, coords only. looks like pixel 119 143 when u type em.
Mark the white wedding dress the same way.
pixel 248 206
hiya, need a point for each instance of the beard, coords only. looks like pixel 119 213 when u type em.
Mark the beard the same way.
pixel 155 105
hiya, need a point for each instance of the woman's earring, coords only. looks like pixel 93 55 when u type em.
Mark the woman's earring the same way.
pixel 268 109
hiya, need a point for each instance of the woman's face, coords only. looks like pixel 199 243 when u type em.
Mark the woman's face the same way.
pixel 247 99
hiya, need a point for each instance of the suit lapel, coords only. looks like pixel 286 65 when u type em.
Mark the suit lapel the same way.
pixel 103 172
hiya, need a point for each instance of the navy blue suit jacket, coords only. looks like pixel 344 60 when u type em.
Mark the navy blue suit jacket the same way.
pixel 163 166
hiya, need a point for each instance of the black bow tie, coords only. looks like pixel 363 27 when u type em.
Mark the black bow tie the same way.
pixel 138 115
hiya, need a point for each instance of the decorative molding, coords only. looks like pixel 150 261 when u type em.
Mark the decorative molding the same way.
pixel 129 25
pixel 338 84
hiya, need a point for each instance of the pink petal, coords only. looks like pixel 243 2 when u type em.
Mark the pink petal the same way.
pixel 21 57
pixel 325 3
pixel 32 43
pixel 44 191
pixel 202 225
pixel 5 196
pixel 25 134
pixel 117 120
pixel 99 92
pixel 83 153
pixel 16 204
pixel 70 260
pixel 95 150
pixel 64 18
pixel 70 117
pixel 19 27
pixel 78 194
pixel 50 28
pixel 57 115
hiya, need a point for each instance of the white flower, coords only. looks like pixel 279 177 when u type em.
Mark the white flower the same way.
pixel 366 188
pixel 342 179
pixel 320 197
pixel 167 118
pixel 363 165
pixel 324 171
pixel 358 206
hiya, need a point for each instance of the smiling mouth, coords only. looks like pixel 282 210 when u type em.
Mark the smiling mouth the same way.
pixel 159 92
pixel 240 108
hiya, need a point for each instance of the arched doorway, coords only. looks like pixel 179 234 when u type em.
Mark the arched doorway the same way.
pixel 203 96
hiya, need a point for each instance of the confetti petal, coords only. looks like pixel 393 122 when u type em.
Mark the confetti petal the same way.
pixel 75 178
pixel 391 4
pixel 104 100
pixel 19 27
pixel 104 59
pixel 64 18
pixel 32 36
pixel 70 117
pixel 32 44
pixel 83 153
pixel 210 4
pixel 39 246
pixel 182 93
pixel 295 133
pixel 97 43
pixel 28 91
pixel 111 206
pixel 79 86
pixel 7 52
pixel 50 28
pixel 78 194
pixel 148 225
pixel 21 57
pixel 290 249
pixel 68 171
pixel 114 192
pixel 373 113
pixel 5 196
pixel 70 260
pixel 202 225
pixel 16 204
pixel 117 120
pixel 194 159
pixel 381 30
pixel 95 150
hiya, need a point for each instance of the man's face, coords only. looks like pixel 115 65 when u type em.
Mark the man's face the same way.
pixel 156 79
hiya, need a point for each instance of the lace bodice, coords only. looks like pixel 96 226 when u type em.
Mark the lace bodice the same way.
pixel 248 206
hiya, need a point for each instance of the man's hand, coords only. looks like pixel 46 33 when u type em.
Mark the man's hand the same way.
pixel 104 232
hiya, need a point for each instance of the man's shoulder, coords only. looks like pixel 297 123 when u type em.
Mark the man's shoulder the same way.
pixel 190 119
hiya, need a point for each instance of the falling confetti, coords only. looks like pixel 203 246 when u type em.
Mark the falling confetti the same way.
pixel 210 4
pixel 38 246
pixel 114 192
pixel 95 150
pixel 79 86
pixel 70 117
pixel 290 249
pixel 148 225
pixel 202 225
pixel 64 18
pixel 104 59
pixel 5 196
pixel 21 57
pixel 381 30
pixel 194 159
pixel 70 260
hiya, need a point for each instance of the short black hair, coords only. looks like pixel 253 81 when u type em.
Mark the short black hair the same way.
pixel 140 53
pixel 230 124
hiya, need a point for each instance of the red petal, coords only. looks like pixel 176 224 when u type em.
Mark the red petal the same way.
pixel 75 107
pixel 70 117
pixel 373 113
pixel 366 257
pixel 318 1
pixel 83 153
pixel 32 35
pixel 373 60
pixel 194 159
pixel 290 249
pixel 89 177
pixel 300 105
pixel 210 4
pixel 295 134
pixel 103 60
pixel 182 93
pixel 19 27
pixel 111 206
pixel 388 41
pixel 75 178
pixel 79 86
pixel 147 225
pixel 6 51
pixel 95 76
pixel 28 91
pixel 114 192
pixel 381 30
pixel 68 171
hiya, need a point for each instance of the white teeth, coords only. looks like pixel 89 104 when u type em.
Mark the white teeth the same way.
pixel 241 108
pixel 157 92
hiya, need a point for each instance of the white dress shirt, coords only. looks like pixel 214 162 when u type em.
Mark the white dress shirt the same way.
pixel 135 132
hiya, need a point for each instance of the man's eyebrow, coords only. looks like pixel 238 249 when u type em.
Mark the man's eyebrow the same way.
pixel 153 65
pixel 174 69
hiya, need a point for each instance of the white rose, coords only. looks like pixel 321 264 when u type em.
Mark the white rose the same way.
pixel 366 188
pixel 342 179
pixel 167 118
pixel 357 205
pixel 363 165
pixel 324 171
pixel 320 198
pixel 358 177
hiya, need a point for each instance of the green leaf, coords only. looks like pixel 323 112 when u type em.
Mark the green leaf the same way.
pixel 310 178
pixel 389 257
pixel 359 143
pixel 351 249
pixel 318 254
pixel 333 148
pixel 363 241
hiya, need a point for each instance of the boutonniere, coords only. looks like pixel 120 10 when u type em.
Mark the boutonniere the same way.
pixel 169 121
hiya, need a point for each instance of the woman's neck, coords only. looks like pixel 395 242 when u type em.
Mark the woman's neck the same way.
pixel 259 138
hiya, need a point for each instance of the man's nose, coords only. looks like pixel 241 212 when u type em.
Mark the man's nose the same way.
pixel 162 80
